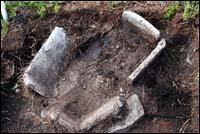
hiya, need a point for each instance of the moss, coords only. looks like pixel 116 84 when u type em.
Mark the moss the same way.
pixel 191 10
pixel 171 10
pixel 197 76
pixel 40 6
pixel 113 4
pixel 4 28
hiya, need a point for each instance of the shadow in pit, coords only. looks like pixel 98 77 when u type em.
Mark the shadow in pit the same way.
pixel 160 78
pixel 10 113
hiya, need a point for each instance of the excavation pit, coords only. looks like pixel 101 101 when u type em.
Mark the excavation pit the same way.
pixel 90 81
pixel 166 108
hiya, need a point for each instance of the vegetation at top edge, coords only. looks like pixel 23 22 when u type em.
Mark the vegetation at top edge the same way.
pixel 40 6
pixel 171 9
pixel 113 4
pixel 190 9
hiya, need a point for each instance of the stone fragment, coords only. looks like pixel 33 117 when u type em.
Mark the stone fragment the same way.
pixel 42 74
pixel 135 112
pixel 153 55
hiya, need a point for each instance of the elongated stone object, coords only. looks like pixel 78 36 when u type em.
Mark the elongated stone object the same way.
pixel 145 26
pixel 56 113
pixel 153 55
pixel 3 11
pixel 112 107
pixel 42 74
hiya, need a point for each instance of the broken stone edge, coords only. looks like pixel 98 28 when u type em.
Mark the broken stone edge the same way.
pixel 47 59
pixel 136 111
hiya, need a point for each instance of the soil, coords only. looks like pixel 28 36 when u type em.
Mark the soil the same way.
pixel 100 68
pixel 102 56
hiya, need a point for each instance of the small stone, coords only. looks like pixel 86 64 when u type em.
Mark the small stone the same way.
pixel 17 90
pixel 121 90
pixel 92 26
pixel 182 50
pixel 54 115
pixel 44 113
pixel 188 59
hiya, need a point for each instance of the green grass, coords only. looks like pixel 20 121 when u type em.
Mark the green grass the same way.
pixel 4 28
pixel 40 6
pixel 191 10
pixel 97 3
pixel 171 10
pixel 113 4
pixel 197 76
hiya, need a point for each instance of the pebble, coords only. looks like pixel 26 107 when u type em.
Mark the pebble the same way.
pixel 17 90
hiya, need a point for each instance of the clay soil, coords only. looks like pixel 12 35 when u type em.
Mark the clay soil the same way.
pixel 103 53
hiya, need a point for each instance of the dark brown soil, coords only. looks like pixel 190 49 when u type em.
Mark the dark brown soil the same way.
pixel 167 89
pixel 100 69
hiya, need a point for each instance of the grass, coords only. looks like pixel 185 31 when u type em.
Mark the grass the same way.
pixel 190 10
pixel 97 3
pixel 4 28
pixel 197 76
pixel 40 6
pixel 171 10
pixel 113 4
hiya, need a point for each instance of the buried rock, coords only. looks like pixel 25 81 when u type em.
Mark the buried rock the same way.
pixel 135 112
pixel 112 108
pixel 153 55
pixel 148 30
pixel 42 73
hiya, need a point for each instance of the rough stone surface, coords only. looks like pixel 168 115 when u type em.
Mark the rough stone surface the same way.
pixel 153 55
pixel 146 27
pixel 135 112
pixel 42 73
pixel 112 107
